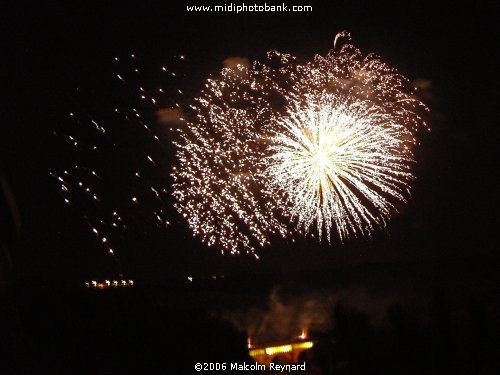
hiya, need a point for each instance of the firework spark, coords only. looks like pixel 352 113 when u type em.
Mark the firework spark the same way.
pixel 115 194
pixel 342 155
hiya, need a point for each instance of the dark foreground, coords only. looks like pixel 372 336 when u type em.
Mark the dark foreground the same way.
pixel 387 329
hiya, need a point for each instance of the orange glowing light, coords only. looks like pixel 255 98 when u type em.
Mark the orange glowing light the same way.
pixel 303 334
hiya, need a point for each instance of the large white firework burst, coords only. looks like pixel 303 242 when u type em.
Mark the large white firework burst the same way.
pixel 341 156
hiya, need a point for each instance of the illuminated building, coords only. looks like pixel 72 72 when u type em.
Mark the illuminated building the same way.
pixel 283 352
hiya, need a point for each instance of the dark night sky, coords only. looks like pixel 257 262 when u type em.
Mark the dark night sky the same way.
pixel 452 217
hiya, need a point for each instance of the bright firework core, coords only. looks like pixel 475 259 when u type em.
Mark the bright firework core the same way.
pixel 330 157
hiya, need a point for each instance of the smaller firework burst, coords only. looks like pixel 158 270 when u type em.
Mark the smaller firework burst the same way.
pixel 217 185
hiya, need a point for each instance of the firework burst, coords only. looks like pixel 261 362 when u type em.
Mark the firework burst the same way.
pixel 217 180
pixel 326 145
pixel 341 156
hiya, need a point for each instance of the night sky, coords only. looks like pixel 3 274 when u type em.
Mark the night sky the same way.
pixel 450 222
